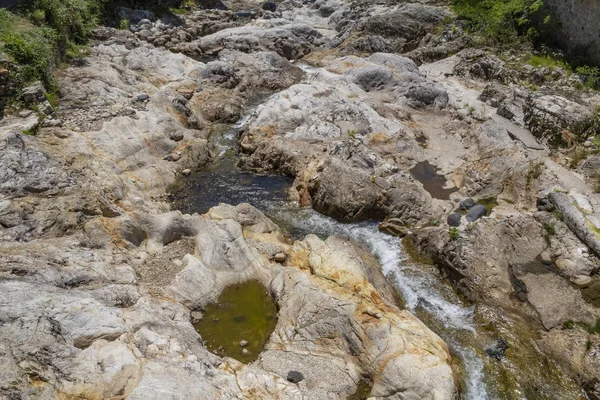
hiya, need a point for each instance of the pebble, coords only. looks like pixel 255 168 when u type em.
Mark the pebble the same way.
pixel 467 203
pixel 186 172
pixel 279 257
pixel 243 343
pixel 565 264
pixel 295 376
pixel 176 156
pixel 245 352
pixel 581 280
pixel 476 212
pixel 454 219
pixel 176 136
pixel 546 258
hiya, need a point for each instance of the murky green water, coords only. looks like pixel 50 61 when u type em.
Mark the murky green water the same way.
pixel 243 312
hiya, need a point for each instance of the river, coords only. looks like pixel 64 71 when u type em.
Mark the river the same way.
pixel 423 290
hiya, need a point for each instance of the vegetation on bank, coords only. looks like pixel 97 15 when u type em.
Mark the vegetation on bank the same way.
pixel 523 21
pixel 502 20
pixel 38 34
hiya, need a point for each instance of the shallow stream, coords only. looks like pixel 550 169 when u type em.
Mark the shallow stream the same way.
pixel 423 290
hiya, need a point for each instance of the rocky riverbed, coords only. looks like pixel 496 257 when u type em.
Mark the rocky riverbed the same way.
pixel 328 117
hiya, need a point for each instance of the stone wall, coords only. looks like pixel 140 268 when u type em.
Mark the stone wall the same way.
pixel 581 27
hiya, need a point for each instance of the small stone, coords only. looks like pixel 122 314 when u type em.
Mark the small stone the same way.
pixel 142 97
pixel 144 21
pixel 145 34
pixel 565 265
pixel 176 136
pixel 25 113
pixel 46 108
pixel 476 212
pixel 295 376
pixel 196 316
pixel 187 93
pixel 269 6
pixel 546 258
pixel 243 343
pixel 498 349
pixel 33 93
pixel 587 143
pixel 176 156
pixel 394 226
pixel 581 280
pixel 245 352
pixel 454 219
pixel 279 257
pixel 159 42
pixel 467 203
pixel 186 172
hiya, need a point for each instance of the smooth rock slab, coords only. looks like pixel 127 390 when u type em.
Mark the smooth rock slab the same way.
pixel 476 212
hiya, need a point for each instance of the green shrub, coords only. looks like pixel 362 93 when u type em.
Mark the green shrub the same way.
pixel 501 19
pixel 590 75
pixel 33 48
pixel 548 61
pixel 453 231
pixel 124 24
pixel 73 20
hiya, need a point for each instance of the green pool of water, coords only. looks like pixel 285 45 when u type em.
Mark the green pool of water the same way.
pixel 363 391
pixel 244 311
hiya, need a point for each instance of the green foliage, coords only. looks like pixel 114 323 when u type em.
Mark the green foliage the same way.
pixel 548 61
pixel 590 75
pixel 41 32
pixel 76 50
pixel 536 168
pixel 577 156
pixel 179 11
pixel 124 24
pixel 503 20
pixel 591 328
pixel 453 231
pixel 549 231
pixel 33 48
pixel 52 97
pixel 73 20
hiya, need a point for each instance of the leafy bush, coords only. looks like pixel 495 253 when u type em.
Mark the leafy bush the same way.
pixel 33 48
pixel 73 20
pixel 124 24
pixel 502 20
pixel 590 75
pixel 41 32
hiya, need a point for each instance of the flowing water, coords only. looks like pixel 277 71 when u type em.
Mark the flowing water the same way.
pixel 423 290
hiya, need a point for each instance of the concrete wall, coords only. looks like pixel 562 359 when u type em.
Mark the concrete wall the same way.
pixel 581 26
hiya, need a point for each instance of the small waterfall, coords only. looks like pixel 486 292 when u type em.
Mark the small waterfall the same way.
pixel 418 287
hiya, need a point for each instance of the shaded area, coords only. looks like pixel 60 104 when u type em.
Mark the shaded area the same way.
pixel 431 180
pixel 363 391
pixel 222 182
pixel 244 313
pixel 591 293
